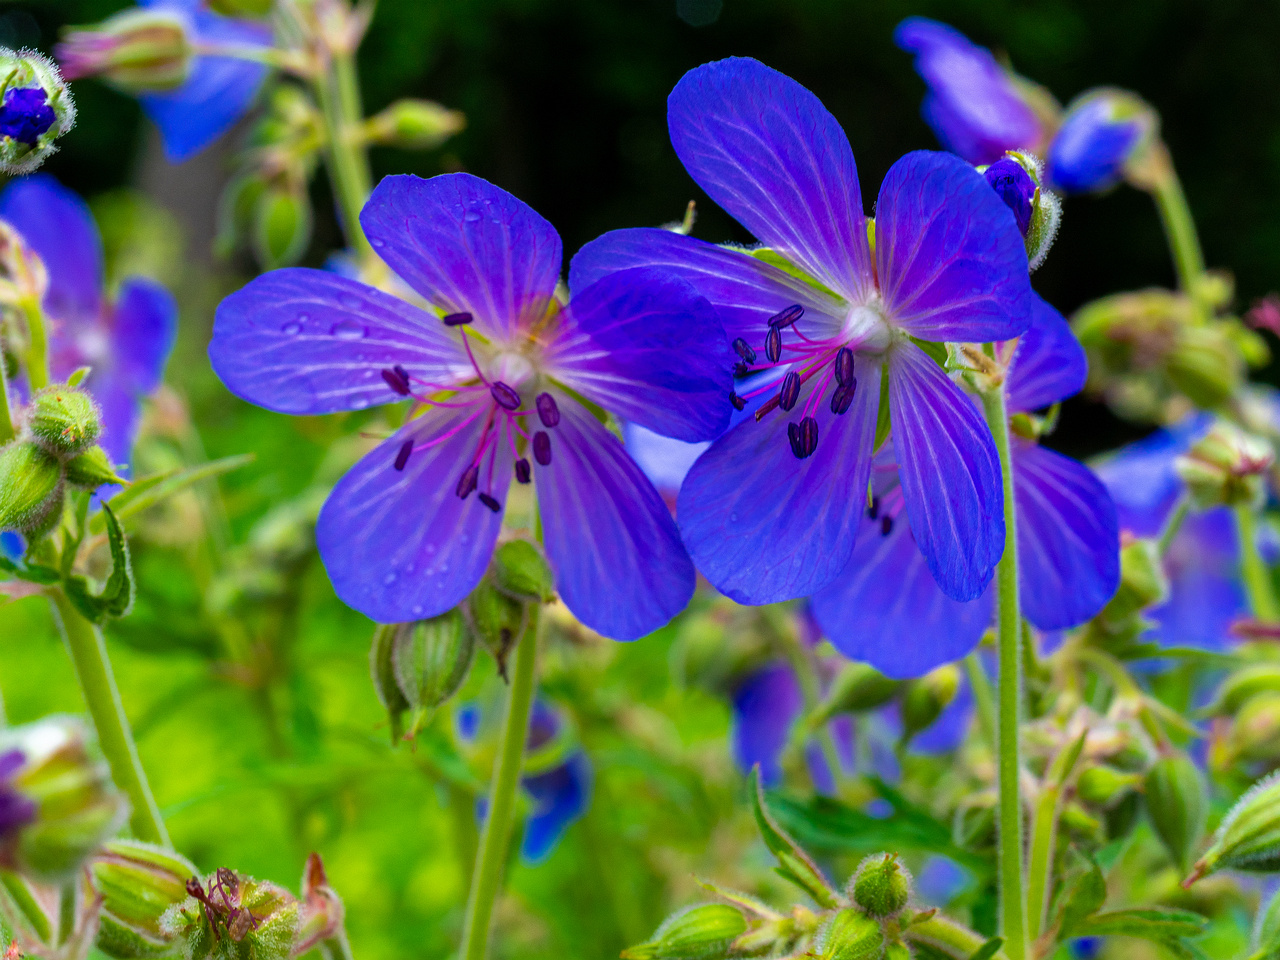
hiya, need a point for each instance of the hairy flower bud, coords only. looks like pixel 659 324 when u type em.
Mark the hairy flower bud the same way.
pixel 702 932
pixel 927 697
pixel 519 569
pixel 1226 467
pixel 1206 365
pixel 414 125
pixel 1104 786
pixel 431 659
pixel 882 886
pixel 858 687
pixel 30 489
pixel 35 110
pixel 1177 805
pixel 1018 179
pixel 64 421
pixel 137 50
pixel 91 469
pixel 232 917
pixel 382 669
pixel 1249 837
pixel 850 935
pixel 496 619
pixel 138 884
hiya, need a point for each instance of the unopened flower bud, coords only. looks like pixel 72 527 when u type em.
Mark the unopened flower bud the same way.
pixel 138 884
pixel 76 805
pixel 1177 805
pixel 35 110
pixel 1249 837
pixel 30 489
pixel 23 275
pixel 1226 467
pixel 281 225
pixel 703 932
pixel 520 570
pixel 431 658
pixel 496 619
pixel 1017 179
pixel 1104 786
pixel 137 50
pixel 64 421
pixel 1101 133
pixel 850 935
pixel 927 697
pixel 1255 731
pixel 231 917
pixel 1241 685
pixel 414 125
pixel 382 669
pixel 1142 584
pixel 91 470
pixel 858 687
pixel 321 910
pixel 882 886
pixel 1206 366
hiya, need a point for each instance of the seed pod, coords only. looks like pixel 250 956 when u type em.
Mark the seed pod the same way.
pixel 520 570
pixel 63 421
pixel 703 932
pixel 281 226
pixel 138 883
pixel 91 469
pixel 1249 837
pixel 1104 786
pixel 382 669
pixel 927 697
pixel 850 935
pixel 858 687
pixel 137 51
pixel 1225 467
pixel 414 125
pixel 30 489
pixel 1177 805
pixel 882 886
pixel 496 619
pixel 431 658
pixel 1206 366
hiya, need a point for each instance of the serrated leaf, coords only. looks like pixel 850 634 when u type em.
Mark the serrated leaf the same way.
pixel 149 491
pixel 116 596
pixel 793 863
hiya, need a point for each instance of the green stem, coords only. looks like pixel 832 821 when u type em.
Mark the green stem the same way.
pixel 37 345
pixel 66 910
pixel 102 696
pixel 806 671
pixel 1039 869
pixel 1257 578
pixel 338 91
pixel 1173 524
pixel 1175 217
pixel 983 697
pixel 7 432
pixel 337 947
pixel 950 939
pixel 492 855
pixel 1008 636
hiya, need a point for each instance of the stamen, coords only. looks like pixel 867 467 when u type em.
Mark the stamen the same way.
pixel 803 437
pixel 457 319
pixel 737 401
pixel 785 318
pixel 542 447
pixel 844 366
pixel 886 525
pixel 504 396
pixel 740 369
pixel 793 434
pixel 744 350
pixel 467 482
pixel 548 412
pixel 397 379
pixel 490 502
pixel 790 391
pixel 873 511
pixel 773 344
pixel 522 471
pixel 843 397
pixel 402 457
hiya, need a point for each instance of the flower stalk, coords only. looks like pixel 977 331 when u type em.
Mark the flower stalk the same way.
pixel 37 361
pixel 1253 570
pixel 1159 176
pixel 338 91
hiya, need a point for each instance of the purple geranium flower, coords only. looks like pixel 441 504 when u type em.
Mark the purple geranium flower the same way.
pixel 499 379
pixel 126 342
pixel 975 107
pixel 886 609
pixel 25 114
pixel 771 510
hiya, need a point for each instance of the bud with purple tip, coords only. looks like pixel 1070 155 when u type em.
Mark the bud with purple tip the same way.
pixel 35 110
pixel 138 51
pixel 1102 132
pixel 1018 179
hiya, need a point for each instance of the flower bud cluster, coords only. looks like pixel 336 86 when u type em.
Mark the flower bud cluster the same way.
pixel 1226 467
pixel 35 110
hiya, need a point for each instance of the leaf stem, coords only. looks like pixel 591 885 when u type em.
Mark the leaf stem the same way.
pixel 1257 578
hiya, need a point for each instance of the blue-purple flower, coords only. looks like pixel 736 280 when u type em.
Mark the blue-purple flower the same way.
pixel 976 107
pixel 818 320
pixel 1101 131
pixel 498 370
pixel 126 341
pixel 886 609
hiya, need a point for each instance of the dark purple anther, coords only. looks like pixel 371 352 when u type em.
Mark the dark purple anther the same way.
pixel 773 344
pixel 886 525
pixel 844 366
pixel 808 438
pixel 740 369
pixel 843 397
pixel 542 447
pixel 25 114
pixel 548 412
pixel 490 502
pixel 793 435
pixel 785 318
pixel 457 319
pixel 790 391
pixel 467 482
pixel 522 471
pixel 873 511
pixel 744 350
pixel 1014 186
pixel 402 457
pixel 737 401
pixel 504 396
pixel 397 380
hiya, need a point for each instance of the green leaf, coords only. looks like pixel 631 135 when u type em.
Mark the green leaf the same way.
pixel 1082 896
pixel 988 949
pixel 31 572
pixel 116 596
pixel 794 864
pixel 149 491
pixel 1151 924
pixel 936 351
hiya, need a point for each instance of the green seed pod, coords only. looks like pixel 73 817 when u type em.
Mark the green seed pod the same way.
pixel 1249 837
pixel 137 51
pixel 30 489
pixel 1177 805
pixel 1104 786
pixel 431 658
pixel 1142 584
pixel 1226 467
pixel 850 935
pixel 927 697
pixel 520 570
pixel 858 687
pixel 882 886
pixel 91 470
pixel 138 883
pixel 414 125
pixel 1240 685
pixel 703 932
pixel 382 669
pixel 1205 366
pixel 281 227
pixel 230 917
pixel 496 619
pixel 38 110
pixel 64 421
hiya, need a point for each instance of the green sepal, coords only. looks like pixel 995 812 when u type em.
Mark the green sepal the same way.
pixel 382 670
pixel 116 596
pixel 793 863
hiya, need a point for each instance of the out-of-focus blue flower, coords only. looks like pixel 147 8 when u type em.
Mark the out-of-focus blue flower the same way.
pixel 975 107
pixel 1099 134
pixel 770 511
pixel 401 536
pixel 16 808
pixel 939 880
pixel 1085 948
pixel 886 609
pixel 25 114
pixel 126 341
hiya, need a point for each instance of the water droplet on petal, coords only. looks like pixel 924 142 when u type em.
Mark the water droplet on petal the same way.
pixel 472 216
pixel 417 610
pixel 378 242
pixel 292 329
pixel 389 579
pixel 349 330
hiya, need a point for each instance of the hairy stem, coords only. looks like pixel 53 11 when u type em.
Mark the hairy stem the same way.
pixel 37 361
pixel 1175 216
pixel 102 696
pixel 487 878
pixel 983 697
pixel 1257 578
pixel 948 938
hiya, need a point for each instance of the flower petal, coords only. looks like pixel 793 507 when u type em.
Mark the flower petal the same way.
pixel 1205 592
pixel 618 560
pixel 745 290
pixel 951 261
pixel 401 545
pixel 645 346
pixel 1141 476
pixel 766 150
pixel 763 526
pixel 1049 365
pixel 886 609
pixel 665 462
pixel 310 341
pixel 466 245
pixel 1068 541
pixel 560 797
pixel 59 227
pixel 949 471
pixel 765 705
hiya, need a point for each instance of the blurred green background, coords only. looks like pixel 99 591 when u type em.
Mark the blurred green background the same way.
pixel 260 729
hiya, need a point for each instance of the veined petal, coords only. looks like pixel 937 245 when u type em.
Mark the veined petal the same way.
pixel 745 290
pixel 645 346
pixel 952 264
pixel 466 246
pixel 766 150
pixel 1068 541
pixel 59 227
pixel 310 341
pixel 401 544
pixel 617 556
pixel 949 471
pixel 765 705
pixel 1049 365
pixel 560 797
pixel 886 609
pixel 763 526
